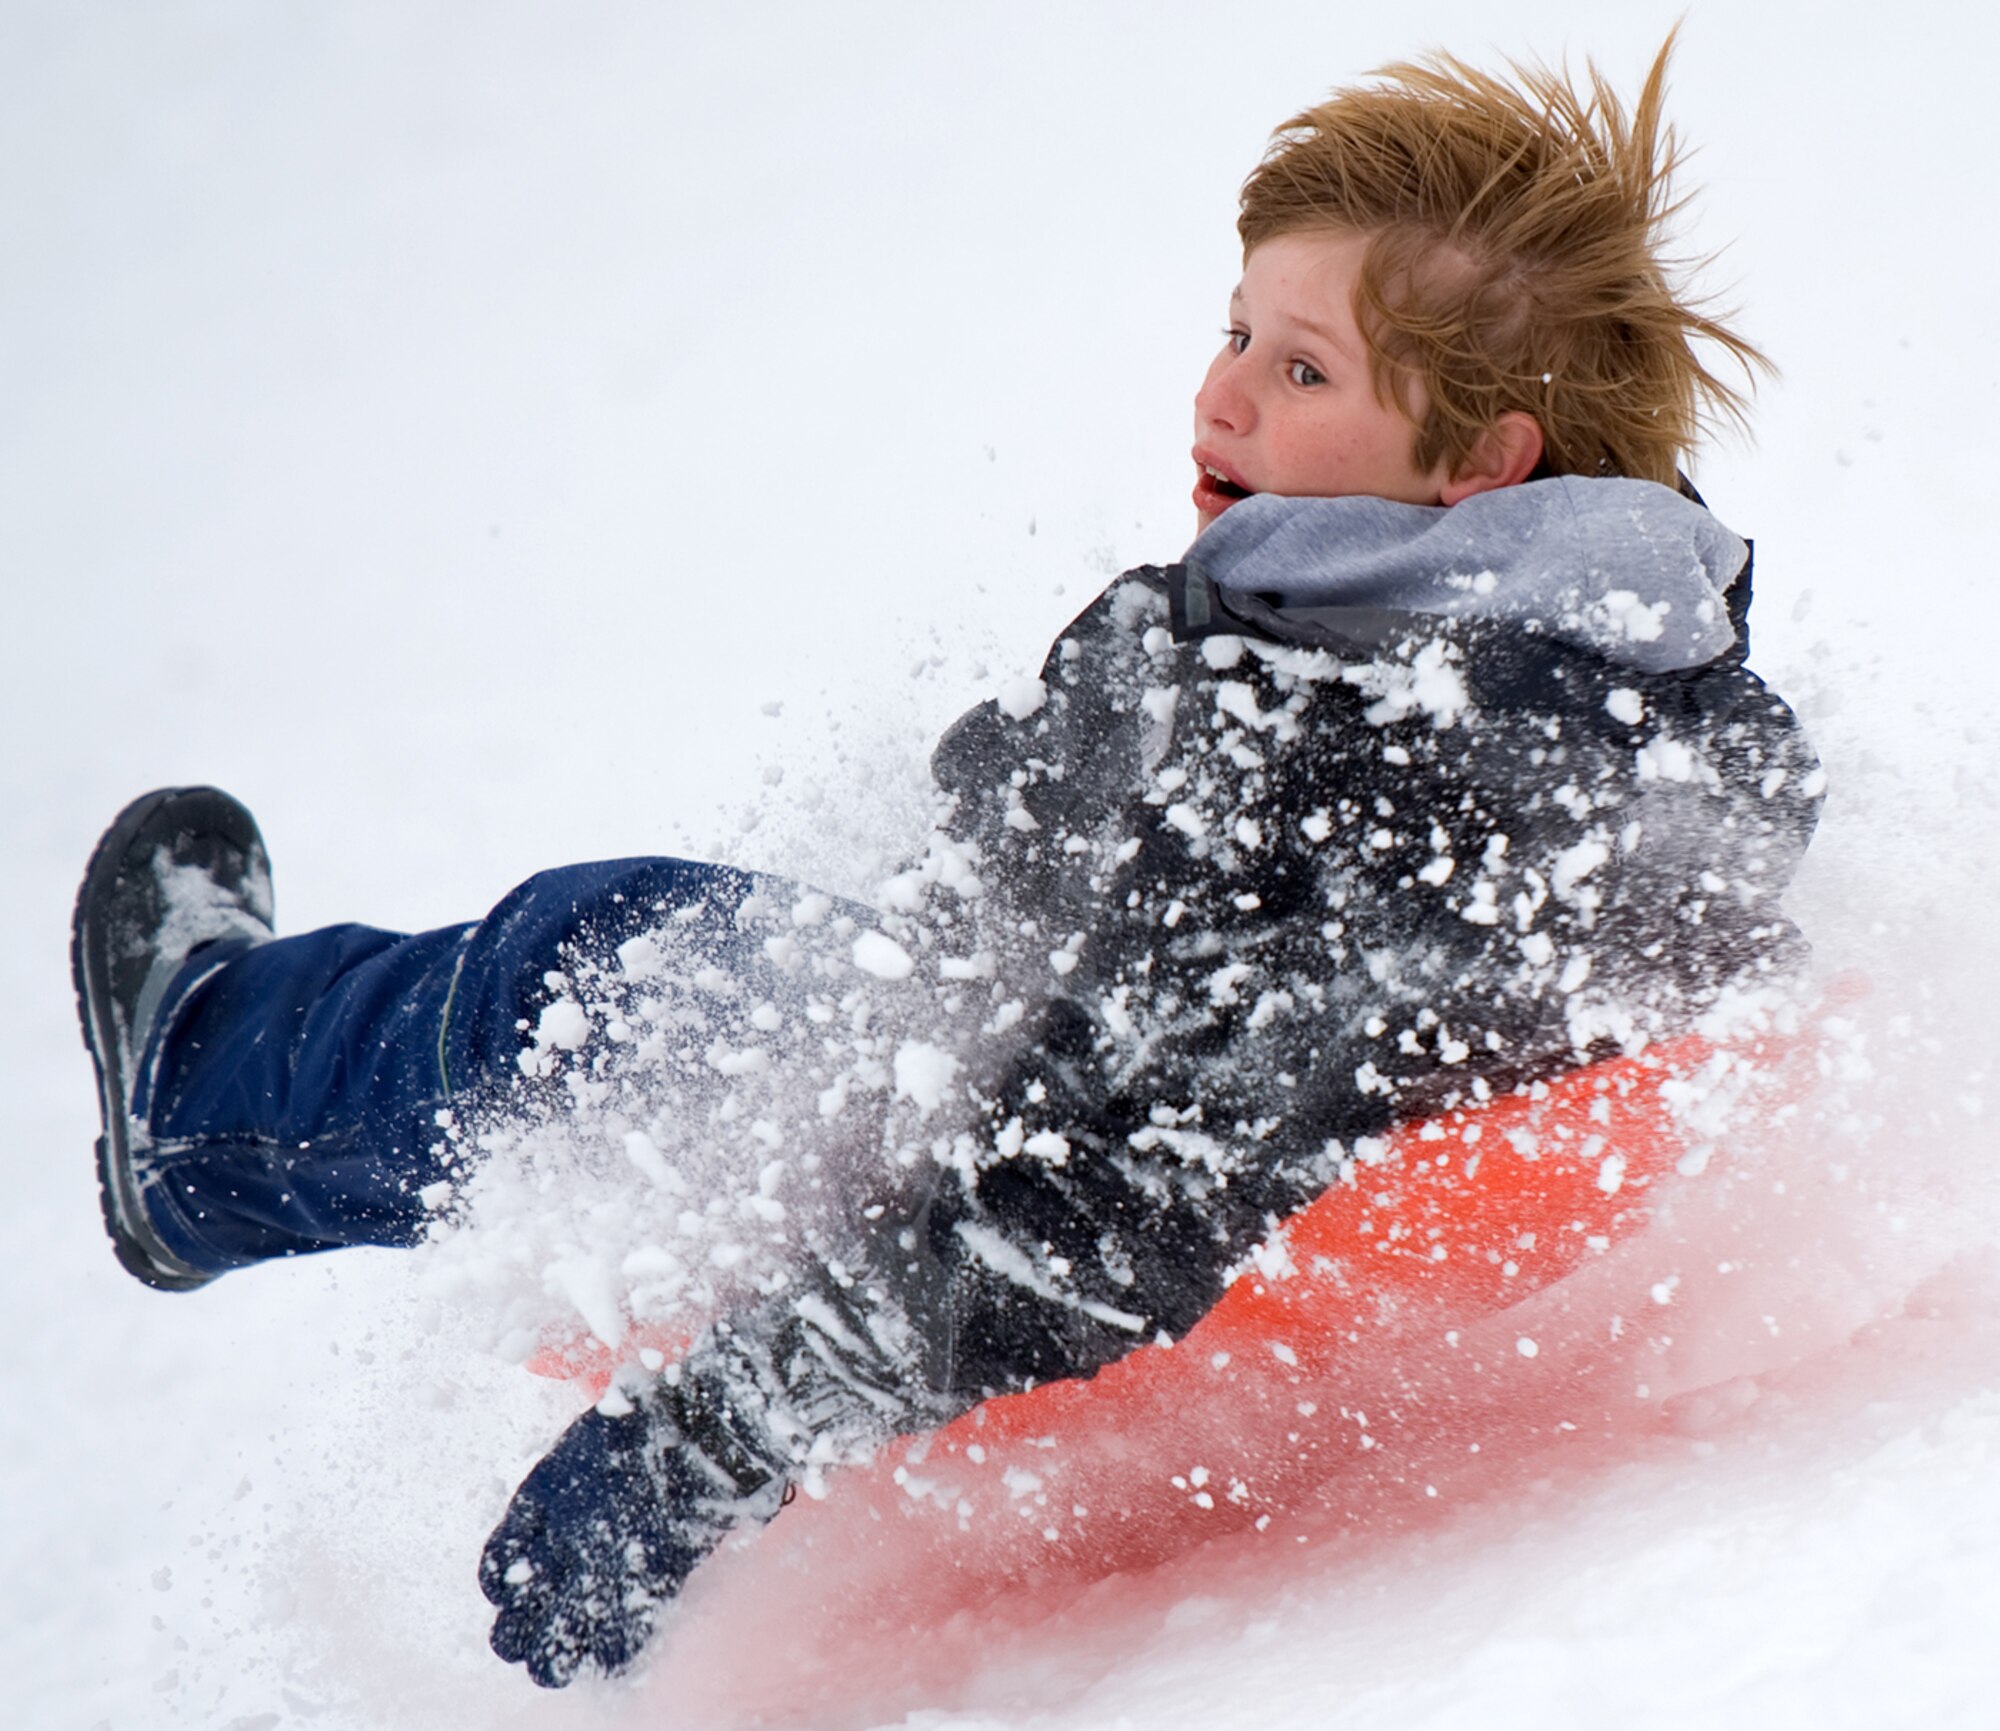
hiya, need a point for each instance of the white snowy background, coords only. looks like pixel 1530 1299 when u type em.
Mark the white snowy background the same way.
pixel 487 435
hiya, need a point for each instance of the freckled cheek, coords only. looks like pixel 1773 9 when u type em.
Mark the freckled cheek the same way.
pixel 1314 452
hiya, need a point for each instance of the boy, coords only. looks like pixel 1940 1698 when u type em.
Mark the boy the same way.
pixel 1432 768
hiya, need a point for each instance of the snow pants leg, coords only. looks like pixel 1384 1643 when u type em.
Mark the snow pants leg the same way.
pixel 292 1095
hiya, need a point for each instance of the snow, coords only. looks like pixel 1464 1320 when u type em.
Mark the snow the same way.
pixel 487 442
pixel 924 1073
pixel 879 954
pixel 1626 705
pixel 1020 697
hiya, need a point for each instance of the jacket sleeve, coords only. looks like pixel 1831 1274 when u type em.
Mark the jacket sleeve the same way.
pixel 1094 1176
pixel 1151 922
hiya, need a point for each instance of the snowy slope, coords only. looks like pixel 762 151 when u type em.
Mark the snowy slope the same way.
pixel 485 435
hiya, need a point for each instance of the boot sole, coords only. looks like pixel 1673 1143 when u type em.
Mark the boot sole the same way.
pixel 139 1249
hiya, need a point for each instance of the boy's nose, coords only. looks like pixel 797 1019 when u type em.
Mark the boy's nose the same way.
pixel 1223 401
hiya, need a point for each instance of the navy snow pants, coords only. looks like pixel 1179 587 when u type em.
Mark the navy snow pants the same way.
pixel 293 1095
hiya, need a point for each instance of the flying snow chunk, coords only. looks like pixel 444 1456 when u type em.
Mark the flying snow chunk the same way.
pixel 587 1284
pixel 1235 698
pixel 562 1024
pixel 1625 705
pixel 924 1074
pixel 645 1154
pixel 1020 698
pixel 1427 682
pixel 1049 1145
pixel 879 954
pixel 1574 864
pixel 1620 613
pixel 1666 759
pixel 641 958
pixel 1223 982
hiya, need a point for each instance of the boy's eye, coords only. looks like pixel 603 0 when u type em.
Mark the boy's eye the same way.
pixel 1305 373
pixel 1237 340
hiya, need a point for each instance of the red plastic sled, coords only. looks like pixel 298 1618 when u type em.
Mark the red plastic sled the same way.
pixel 1465 1215
pixel 1378 1363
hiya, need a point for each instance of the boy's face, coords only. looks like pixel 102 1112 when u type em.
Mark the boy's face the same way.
pixel 1288 406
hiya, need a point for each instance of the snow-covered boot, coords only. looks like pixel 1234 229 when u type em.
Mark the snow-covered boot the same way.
pixel 180 870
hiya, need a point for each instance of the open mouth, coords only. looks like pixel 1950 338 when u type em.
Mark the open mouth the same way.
pixel 1216 491
pixel 1215 486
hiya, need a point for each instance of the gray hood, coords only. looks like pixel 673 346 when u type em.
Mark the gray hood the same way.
pixel 1629 570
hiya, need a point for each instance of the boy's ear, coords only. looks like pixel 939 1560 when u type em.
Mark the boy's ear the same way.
pixel 1502 456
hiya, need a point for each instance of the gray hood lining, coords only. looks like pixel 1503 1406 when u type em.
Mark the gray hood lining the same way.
pixel 1628 570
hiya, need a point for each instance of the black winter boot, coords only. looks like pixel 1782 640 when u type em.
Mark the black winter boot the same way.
pixel 179 868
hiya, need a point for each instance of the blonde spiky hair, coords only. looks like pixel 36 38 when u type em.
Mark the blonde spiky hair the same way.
pixel 1514 259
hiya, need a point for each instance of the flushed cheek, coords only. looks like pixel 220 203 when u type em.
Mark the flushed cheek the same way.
pixel 1307 455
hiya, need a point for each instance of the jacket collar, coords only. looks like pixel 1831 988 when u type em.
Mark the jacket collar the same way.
pixel 1630 571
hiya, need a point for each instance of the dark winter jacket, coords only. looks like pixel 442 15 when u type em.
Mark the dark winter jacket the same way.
pixel 1345 818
